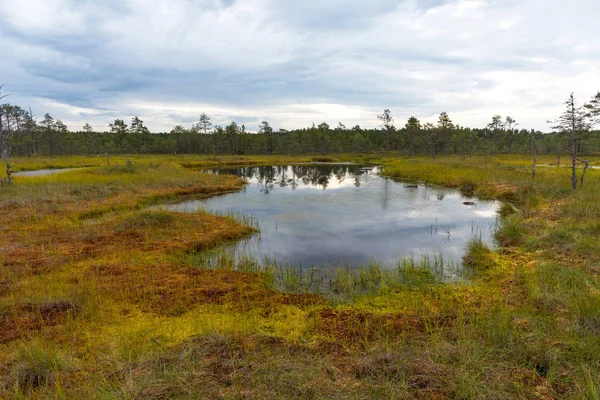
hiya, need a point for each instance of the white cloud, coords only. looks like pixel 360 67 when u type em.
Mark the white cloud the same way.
pixel 197 36
pixel 164 117
pixel 42 17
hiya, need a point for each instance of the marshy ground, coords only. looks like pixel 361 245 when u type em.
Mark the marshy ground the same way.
pixel 101 296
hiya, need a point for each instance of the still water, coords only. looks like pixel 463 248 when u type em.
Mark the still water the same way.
pixel 329 215
pixel 44 172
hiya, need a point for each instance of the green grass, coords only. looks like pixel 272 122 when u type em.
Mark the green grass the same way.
pixel 478 255
pixel 37 365
pixel 339 283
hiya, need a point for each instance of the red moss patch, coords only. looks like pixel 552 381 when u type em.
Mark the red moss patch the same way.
pixel 188 232
pixel 16 321
pixel 173 289
pixel 351 326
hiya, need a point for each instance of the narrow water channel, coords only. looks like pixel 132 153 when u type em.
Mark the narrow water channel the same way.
pixel 44 172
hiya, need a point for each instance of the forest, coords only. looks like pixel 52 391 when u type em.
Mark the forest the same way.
pixel 28 136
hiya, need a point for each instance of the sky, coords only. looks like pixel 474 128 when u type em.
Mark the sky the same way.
pixel 294 63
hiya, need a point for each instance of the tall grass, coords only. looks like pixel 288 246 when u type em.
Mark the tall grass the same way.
pixel 478 255
pixel 340 281
pixel 37 365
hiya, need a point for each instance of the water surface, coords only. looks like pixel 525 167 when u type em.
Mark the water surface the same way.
pixel 44 172
pixel 326 215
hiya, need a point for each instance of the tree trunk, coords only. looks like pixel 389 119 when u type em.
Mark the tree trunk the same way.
pixel 4 151
pixel 586 166
pixel 535 154
pixel 574 162
pixel 387 146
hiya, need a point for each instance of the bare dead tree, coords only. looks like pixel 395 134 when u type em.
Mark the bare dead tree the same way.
pixel 572 123
pixel 388 125
pixel 535 154
pixel 31 126
pixel 4 145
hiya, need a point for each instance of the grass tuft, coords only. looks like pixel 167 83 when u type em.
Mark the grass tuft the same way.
pixel 468 189
pixel 478 255
pixel 38 365
pixel 127 168
pixel 325 159
pixel 507 209
pixel 511 232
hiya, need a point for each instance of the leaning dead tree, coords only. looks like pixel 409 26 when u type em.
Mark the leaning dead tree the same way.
pixel 4 145
pixel 586 164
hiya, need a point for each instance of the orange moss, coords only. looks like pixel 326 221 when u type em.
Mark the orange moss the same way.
pixel 146 196
pixel 174 289
pixel 19 320
pixel 52 248
pixel 353 326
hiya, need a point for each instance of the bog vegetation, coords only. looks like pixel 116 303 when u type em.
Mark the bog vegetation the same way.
pixel 102 296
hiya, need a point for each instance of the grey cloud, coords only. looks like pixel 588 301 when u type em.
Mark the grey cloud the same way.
pixel 294 62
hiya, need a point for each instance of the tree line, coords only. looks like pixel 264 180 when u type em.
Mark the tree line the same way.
pixel 26 135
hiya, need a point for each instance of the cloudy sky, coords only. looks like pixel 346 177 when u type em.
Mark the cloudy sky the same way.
pixel 295 62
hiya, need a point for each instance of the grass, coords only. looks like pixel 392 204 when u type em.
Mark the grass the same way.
pixel 340 283
pixel 37 365
pixel 104 296
pixel 478 255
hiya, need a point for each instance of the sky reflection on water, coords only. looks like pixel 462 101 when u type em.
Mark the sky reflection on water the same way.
pixel 44 172
pixel 326 215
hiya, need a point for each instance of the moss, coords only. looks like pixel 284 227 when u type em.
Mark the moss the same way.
pixel 148 219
